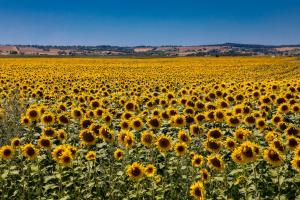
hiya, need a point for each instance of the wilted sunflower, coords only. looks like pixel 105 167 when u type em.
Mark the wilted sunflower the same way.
pixel 197 160
pixel 91 155
pixel 216 162
pixel 147 138
pixel 135 171
pixel 197 191
pixel 273 157
pixel 7 152
pixel 118 154
pixel 29 151
pixel 181 148
pixel 164 143
pixel 45 142
pixel 150 170
pixel 87 137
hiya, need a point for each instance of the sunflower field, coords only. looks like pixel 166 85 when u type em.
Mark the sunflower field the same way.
pixel 150 128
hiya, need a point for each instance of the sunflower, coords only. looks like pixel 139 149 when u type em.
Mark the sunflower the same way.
pixel 260 123
pixel 25 120
pixel 87 137
pixel 125 124
pixel 247 151
pixel 205 176
pixel 137 124
pixel 270 136
pixel 49 132
pixel 107 119
pixel 197 160
pixel 233 120
pixel 45 142
pixel 277 119
pixel 164 143
pixel 135 171
pixel 178 121
pixel 284 108
pixel 76 113
pixel 181 149
pixel 273 157
pixel 292 142
pixel 147 138
pixel 241 134
pixel 297 151
pixel 61 135
pixel 278 144
pixel 15 142
pixel 85 123
pixel 29 151
pixel 296 163
pixel 236 156
pixel 183 136
pixel 154 123
pixel 150 170
pixel 63 119
pixel 129 140
pixel 57 152
pixel 118 154
pixel 121 137
pixel 292 131
pixel 216 162
pixel 230 143
pixel 106 134
pixel 47 119
pixel 197 191
pixel 196 129
pixel 66 159
pixel 212 145
pixel 219 115
pixel 215 133
pixel 7 152
pixel 91 155
pixel 33 114
pixel 250 120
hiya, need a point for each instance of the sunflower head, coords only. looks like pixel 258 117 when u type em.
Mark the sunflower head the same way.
pixel 273 156
pixel 197 191
pixel 164 143
pixel 118 154
pixel 7 152
pixel 29 151
pixel 87 137
pixel 15 142
pixel 150 170
pixel 135 171
pixel 216 162
pixel 45 142
pixel 147 138
pixel 181 148
pixel 91 155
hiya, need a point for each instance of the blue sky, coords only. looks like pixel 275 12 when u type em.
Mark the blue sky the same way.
pixel 149 22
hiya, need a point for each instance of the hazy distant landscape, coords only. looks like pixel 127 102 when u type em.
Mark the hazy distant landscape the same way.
pixel 226 49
